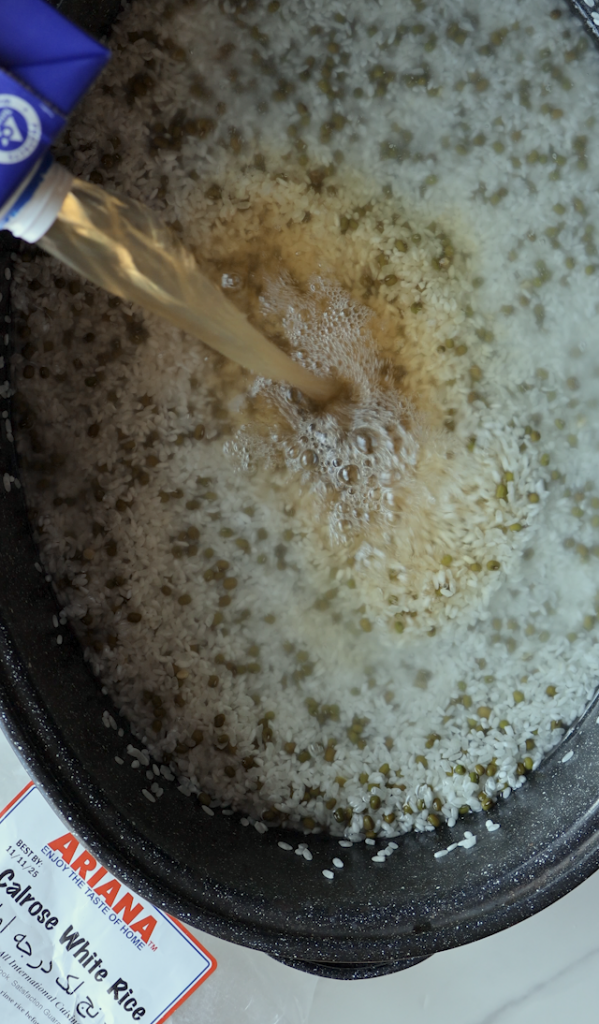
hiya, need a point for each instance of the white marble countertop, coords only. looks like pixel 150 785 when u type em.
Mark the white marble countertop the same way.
pixel 539 972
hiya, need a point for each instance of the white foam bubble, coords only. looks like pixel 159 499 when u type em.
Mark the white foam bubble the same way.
pixel 353 454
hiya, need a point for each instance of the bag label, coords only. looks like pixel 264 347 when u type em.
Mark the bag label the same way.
pixel 20 129
pixel 28 126
pixel 76 945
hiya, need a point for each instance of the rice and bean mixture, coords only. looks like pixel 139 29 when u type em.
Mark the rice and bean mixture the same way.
pixel 403 194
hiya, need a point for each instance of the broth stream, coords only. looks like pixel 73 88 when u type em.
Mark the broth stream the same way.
pixel 122 246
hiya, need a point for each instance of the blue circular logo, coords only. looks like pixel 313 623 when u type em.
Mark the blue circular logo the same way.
pixel 20 129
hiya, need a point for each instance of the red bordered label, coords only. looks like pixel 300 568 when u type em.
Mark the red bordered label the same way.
pixel 76 945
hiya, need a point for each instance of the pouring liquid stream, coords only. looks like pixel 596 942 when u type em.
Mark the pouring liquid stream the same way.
pixel 121 245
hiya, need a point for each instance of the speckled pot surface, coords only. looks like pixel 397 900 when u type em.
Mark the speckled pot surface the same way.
pixel 229 880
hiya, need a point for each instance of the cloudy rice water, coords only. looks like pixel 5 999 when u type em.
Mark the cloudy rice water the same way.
pixel 366 619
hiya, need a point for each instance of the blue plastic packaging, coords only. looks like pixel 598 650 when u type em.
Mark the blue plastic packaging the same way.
pixel 46 64
pixel 48 53
pixel 28 126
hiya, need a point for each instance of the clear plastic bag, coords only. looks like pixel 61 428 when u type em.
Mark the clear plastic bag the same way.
pixel 247 988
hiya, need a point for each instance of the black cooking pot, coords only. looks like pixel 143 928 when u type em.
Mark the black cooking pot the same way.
pixel 229 880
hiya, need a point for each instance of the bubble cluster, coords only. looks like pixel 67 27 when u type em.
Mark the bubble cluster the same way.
pixel 354 454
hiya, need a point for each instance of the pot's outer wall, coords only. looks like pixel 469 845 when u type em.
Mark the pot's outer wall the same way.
pixel 231 881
